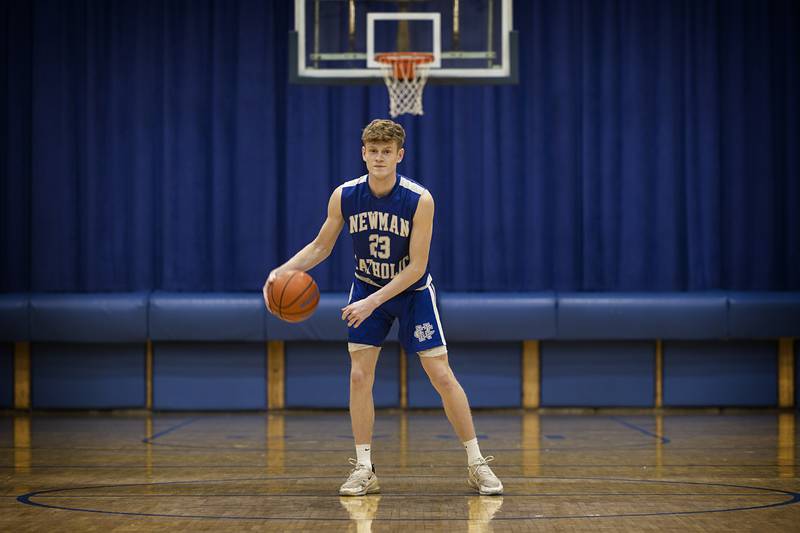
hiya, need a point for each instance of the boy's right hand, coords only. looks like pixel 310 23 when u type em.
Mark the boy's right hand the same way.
pixel 267 285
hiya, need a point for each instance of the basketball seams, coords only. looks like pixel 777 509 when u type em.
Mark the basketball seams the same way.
pixel 310 283
pixel 286 296
pixel 303 311
pixel 283 291
pixel 299 316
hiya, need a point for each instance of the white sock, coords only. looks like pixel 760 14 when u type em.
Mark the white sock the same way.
pixel 473 451
pixel 362 455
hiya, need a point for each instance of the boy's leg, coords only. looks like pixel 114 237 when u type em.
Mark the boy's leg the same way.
pixel 456 405
pixel 362 376
pixel 362 479
pixel 364 347
pixel 421 332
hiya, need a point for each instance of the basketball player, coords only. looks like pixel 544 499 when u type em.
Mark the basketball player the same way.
pixel 390 219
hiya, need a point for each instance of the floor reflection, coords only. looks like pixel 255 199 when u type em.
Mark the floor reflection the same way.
pixel 362 510
pixel 786 444
pixel 531 443
pixel 659 445
pixel 276 433
pixel 481 510
pixel 22 444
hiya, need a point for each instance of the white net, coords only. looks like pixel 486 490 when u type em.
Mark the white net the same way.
pixel 405 93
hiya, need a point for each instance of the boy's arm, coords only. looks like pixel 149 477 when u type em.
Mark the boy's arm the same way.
pixel 418 250
pixel 317 250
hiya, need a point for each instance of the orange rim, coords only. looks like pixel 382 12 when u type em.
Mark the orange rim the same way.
pixel 404 63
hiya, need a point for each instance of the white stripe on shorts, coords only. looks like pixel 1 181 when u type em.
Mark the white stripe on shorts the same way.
pixel 432 292
pixel 427 284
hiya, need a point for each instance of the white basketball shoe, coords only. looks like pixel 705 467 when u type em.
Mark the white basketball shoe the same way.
pixel 482 479
pixel 361 481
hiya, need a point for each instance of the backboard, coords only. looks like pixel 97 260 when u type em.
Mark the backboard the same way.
pixel 335 41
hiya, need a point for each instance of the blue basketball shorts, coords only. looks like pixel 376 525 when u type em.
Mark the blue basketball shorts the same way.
pixel 420 327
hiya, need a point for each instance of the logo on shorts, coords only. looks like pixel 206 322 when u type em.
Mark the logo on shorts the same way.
pixel 424 332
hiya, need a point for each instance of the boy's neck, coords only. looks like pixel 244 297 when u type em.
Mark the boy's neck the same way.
pixel 382 186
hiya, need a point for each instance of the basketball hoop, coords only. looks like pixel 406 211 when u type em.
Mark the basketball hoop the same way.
pixel 405 74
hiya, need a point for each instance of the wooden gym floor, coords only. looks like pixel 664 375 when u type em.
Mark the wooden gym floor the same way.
pixel 279 472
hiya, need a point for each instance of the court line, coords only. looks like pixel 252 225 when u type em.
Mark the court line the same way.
pixel 664 440
pixel 150 439
pixel 794 497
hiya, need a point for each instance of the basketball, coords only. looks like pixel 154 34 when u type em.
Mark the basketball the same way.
pixel 293 296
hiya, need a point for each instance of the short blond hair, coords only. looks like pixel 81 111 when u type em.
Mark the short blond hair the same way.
pixel 383 131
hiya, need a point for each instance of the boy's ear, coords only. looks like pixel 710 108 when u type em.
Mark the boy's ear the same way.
pixel 400 154
pixel 363 153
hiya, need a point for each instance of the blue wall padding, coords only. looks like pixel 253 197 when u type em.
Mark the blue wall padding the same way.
pixel 318 375
pixel 642 316
pixel 14 320
pixel 597 374
pixel 6 374
pixel 498 316
pixel 514 317
pixel 78 375
pixel 489 372
pixel 209 375
pixel 715 373
pixel 207 317
pixel 99 317
pixel 764 315
pixel 324 325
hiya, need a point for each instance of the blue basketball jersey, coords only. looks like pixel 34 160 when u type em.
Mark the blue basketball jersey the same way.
pixel 381 229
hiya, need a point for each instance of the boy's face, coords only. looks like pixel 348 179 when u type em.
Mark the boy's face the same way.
pixel 381 158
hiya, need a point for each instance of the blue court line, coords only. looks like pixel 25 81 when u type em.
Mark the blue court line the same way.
pixel 663 439
pixel 794 498
pixel 151 438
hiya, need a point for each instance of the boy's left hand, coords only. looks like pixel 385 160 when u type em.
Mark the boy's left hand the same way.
pixel 355 313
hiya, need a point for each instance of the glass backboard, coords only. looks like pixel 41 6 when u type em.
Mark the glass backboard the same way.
pixel 335 41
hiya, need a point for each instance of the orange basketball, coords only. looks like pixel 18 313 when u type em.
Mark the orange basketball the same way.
pixel 293 296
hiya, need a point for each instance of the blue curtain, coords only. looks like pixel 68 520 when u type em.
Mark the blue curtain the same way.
pixel 649 145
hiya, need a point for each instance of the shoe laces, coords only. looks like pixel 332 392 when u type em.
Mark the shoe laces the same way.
pixel 482 466
pixel 356 467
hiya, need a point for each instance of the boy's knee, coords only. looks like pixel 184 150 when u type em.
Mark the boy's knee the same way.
pixel 443 379
pixel 362 364
pixel 360 378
